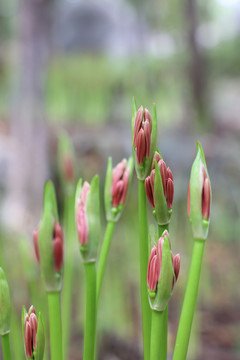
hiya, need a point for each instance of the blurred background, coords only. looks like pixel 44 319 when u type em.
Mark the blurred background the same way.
pixel 74 66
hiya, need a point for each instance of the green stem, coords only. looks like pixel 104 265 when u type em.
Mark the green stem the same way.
pixel 90 314
pixel 189 303
pixel 103 255
pixel 164 318
pixel 143 246
pixel 158 351
pixel 67 292
pixel 55 325
pixel 6 347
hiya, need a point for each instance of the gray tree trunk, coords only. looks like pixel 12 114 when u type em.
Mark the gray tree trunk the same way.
pixel 196 66
pixel 30 167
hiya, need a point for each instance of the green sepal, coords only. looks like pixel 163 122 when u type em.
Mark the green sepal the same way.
pixel 144 169
pixel 51 279
pixel 40 339
pixel 164 287
pixel 23 315
pixel 89 250
pixel 200 226
pixel 162 214
pixel 114 213
pixel 49 198
pixel 5 304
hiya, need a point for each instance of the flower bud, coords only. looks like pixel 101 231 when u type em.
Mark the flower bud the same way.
pixel 33 331
pixel 162 272
pixel 48 242
pixel 117 184
pixel 5 304
pixel 66 159
pixel 87 211
pixel 199 196
pixel 57 246
pixel 144 138
pixel 160 189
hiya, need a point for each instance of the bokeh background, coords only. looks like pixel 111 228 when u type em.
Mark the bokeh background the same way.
pixel 74 66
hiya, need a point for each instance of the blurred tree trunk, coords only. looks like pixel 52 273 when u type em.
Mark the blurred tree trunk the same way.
pixel 196 68
pixel 31 165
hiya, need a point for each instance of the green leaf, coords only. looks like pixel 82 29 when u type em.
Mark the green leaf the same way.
pixel 5 304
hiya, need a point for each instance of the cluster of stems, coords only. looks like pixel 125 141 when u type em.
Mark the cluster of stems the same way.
pixel 159 268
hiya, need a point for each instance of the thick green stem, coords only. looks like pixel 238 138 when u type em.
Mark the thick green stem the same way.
pixel 90 313
pixel 158 351
pixel 189 303
pixel 143 245
pixel 6 347
pixel 164 318
pixel 69 227
pixel 103 255
pixel 55 325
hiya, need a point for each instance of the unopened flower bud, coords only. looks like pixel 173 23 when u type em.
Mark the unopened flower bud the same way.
pixel 87 212
pixel 199 196
pixel 144 137
pixel 33 334
pixel 117 184
pixel 162 273
pixel 159 185
pixel 48 242
pixel 5 304
pixel 57 246
pixel 66 159
pixel 82 223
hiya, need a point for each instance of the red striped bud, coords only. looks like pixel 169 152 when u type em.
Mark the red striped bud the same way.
pixel 167 182
pixel 57 246
pixel 162 272
pixel 81 216
pixel 142 135
pixel 120 180
pixel 30 325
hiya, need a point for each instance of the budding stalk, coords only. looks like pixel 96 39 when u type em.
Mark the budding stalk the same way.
pixel 199 196
pixel 144 138
pixel 159 188
pixel 162 272
pixel 48 242
pixel 87 214
pixel 116 188
pixel 33 332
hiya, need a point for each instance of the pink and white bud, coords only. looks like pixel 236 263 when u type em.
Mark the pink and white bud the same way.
pixel 82 223
pixel 148 189
pixel 167 182
pixel 176 265
pixel 142 135
pixel 155 263
pixel 170 193
pixel 30 333
pixel 153 270
pixel 120 180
